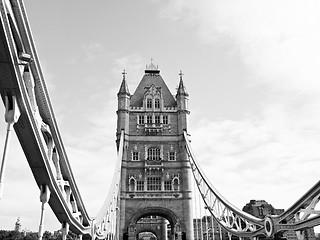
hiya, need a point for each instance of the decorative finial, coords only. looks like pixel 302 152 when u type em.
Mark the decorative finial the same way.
pixel 124 74
pixel 181 74
pixel 152 66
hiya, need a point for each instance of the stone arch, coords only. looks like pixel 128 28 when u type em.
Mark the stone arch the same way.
pixel 148 230
pixel 132 184
pixel 158 211
pixel 175 184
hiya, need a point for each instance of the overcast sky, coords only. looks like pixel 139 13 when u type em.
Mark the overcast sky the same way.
pixel 251 68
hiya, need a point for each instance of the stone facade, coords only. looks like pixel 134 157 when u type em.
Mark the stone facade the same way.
pixel 156 176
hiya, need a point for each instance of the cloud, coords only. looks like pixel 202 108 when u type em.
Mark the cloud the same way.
pixel 93 51
pixel 278 40
pixel 265 155
pixel 133 65
pixel 271 149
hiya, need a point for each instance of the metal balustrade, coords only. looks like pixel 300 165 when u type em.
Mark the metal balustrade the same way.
pixel 302 215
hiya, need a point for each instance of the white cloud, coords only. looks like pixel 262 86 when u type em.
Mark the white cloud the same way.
pixel 278 40
pixel 133 65
pixel 265 155
pixel 260 156
pixel 273 150
pixel 93 51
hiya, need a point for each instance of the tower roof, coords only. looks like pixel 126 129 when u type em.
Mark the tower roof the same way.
pixel 124 86
pixel 152 76
pixel 181 89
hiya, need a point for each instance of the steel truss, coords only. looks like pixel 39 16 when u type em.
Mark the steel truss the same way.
pixel 28 109
pixel 302 215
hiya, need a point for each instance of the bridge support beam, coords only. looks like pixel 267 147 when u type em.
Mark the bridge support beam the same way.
pixel 44 198
pixel 12 115
pixel 164 231
pixel 65 230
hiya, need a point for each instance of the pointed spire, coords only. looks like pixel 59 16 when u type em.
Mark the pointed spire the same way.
pixel 124 87
pixel 181 89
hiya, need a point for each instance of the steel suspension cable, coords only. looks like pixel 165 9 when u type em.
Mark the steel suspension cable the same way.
pixel 228 216
pixel 106 220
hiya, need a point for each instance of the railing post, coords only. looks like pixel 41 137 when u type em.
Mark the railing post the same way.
pixel 12 115
pixel 44 198
pixel 93 229
pixel 65 230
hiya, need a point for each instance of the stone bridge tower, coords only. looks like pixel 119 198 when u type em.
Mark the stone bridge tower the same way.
pixel 155 175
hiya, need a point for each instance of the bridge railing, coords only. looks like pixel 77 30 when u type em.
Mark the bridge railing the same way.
pixel 304 214
pixel 29 110
pixel 106 219
pixel 22 84
pixel 232 219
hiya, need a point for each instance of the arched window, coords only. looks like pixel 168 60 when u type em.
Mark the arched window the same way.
pixel 135 156
pixel 153 153
pixel 149 103
pixel 140 119
pixel 172 156
pixel 140 185
pixel 175 184
pixel 132 183
pixel 168 185
pixel 165 119
pixel 157 119
pixel 149 119
pixel 154 183
pixel 157 103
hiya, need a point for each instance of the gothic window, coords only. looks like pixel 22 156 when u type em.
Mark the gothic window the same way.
pixel 149 119
pixel 149 103
pixel 172 156
pixel 132 183
pixel 140 185
pixel 260 209
pixel 135 156
pixel 153 153
pixel 157 103
pixel 175 184
pixel 165 119
pixel 154 183
pixel 157 119
pixel 140 119
pixel 168 185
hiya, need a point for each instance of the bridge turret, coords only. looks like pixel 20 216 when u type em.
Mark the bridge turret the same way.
pixel 182 98
pixel 123 106
pixel 155 172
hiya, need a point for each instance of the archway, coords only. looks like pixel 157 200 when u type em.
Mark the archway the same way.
pixel 162 222
pixel 147 235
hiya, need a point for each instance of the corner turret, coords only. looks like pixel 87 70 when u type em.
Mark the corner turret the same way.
pixel 123 106
pixel 182 98
pixel 181 91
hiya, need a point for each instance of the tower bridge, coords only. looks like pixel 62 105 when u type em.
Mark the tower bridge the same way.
pixel 158 191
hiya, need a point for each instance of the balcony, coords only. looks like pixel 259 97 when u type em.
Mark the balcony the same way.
pixel 153 128
pixel 154 163
pixel 157 194
pixel 153 166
